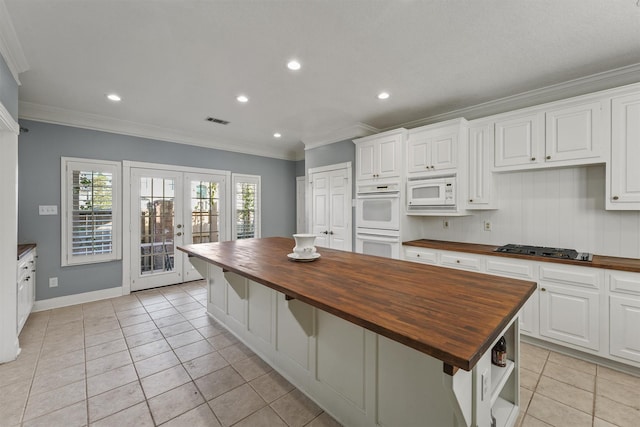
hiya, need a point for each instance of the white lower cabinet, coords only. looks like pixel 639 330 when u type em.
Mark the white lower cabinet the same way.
pixel 624 315
pixel 461 261
pixel 570 304
pixel 26 287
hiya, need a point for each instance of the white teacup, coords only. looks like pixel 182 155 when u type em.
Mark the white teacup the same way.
pixel 304 245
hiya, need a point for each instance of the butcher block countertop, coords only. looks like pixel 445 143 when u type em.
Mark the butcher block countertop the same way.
pixel 24 249
pixel 599 261
pixel 449 314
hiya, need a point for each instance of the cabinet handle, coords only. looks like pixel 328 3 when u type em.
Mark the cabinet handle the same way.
pixel 548 157
pixel 615 197
pixel 179 233
pixel 543 289
pixel 458 261
pixel 418 255
pixel 533 159
pixel 28 278
pixel 324 232
pixel 26 267
pixel 470 200
pixel 331 232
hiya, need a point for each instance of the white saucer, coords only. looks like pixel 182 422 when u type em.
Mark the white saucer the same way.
pixel 295 257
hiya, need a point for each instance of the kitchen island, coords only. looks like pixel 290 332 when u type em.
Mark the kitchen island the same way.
pixel 374 341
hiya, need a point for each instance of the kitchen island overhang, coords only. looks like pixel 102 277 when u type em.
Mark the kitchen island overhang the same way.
pixel 452 315
pixel 374 341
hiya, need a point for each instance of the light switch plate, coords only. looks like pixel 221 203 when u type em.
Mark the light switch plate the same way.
pixel 48 210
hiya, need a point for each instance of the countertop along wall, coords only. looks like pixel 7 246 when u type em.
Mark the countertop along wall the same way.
pixel 39 184
pixel 551 207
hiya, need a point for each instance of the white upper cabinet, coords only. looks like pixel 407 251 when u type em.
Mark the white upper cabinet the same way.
pixel 433 148
pixel 518 140
pixel 574 132
pixel 565 133
pixel 481 187
pixel 378 156
pixel 624 170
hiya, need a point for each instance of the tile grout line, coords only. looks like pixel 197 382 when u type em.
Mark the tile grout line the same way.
pixel 35 368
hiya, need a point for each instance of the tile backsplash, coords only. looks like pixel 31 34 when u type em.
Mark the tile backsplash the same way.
pixel 550 207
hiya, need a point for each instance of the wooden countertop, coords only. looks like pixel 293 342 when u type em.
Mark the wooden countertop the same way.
pixel 449 314
pixel 24 249
pixel 599 261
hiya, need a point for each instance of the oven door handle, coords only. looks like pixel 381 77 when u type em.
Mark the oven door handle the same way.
pixel 386 195
pixel 378 237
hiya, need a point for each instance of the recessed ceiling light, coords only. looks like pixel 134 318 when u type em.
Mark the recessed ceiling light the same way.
pixel 383 95
pixel 277 135
pixel 242 98
pixel 114 97
pixel 294 65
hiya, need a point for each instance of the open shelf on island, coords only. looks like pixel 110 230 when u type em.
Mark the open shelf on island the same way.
pixel 504 411
pixel 499 377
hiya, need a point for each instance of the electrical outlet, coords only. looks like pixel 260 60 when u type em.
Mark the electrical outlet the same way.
pixel 487 226
pixel 53 282
pixel 445 224
pixel 486 380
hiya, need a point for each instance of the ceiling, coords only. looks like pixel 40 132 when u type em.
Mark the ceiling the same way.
pixel 174 63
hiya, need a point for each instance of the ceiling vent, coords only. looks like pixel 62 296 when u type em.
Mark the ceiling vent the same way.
pixel 218 121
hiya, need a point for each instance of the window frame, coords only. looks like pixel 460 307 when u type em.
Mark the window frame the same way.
pixel 67 166
pixel 249 179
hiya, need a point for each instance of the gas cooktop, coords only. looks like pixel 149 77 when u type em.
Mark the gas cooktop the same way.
pixel 545 252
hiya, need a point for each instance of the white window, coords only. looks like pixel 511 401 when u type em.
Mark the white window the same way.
pixel 90 211
pixel 246 206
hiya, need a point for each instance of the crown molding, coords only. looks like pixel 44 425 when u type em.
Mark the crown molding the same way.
pixel 61 116
pixel 10 47
pixel 576 87
pixel 356 131
pixel 7 122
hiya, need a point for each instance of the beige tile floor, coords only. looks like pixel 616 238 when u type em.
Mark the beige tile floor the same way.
pixel 155 358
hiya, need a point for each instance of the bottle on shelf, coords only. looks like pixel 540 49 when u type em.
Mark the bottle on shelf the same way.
pixel 499 353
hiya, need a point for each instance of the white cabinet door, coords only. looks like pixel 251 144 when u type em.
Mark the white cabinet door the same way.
pixel 624 328
pixel 418 153
pixel 366 158
pixel 570 315
pixel 444 151
pixel 624 173
pixel 573 132
pixel 518 141
pixel 379 156
pixel 480 175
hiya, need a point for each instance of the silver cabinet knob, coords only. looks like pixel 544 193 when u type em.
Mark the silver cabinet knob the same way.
pixel 179 226
pixel 179 233
pixel 548 157
pixel 533 159
pixel 615 197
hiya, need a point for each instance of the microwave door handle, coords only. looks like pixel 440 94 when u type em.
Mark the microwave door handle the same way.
pixel 389 195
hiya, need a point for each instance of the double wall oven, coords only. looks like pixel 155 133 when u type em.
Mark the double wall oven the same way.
pixel 378 219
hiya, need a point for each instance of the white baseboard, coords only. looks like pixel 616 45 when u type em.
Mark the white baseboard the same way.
pixel 48 304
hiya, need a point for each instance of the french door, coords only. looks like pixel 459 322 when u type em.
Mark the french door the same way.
pixel 170 208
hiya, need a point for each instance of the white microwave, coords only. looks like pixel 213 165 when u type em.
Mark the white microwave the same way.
pixel 437 192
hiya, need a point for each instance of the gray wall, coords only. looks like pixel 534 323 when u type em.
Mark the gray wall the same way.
pixel 300 171
pixel 8 90
pixel 39 184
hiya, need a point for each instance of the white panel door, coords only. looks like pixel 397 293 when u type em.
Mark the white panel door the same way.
pixel 570 315
pixel 625 152
pixel 321 200
pixel 573 132
pixel 331 209
pixel 625 327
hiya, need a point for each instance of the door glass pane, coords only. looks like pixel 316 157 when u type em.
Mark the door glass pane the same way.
pixel 204 198
pixel 156 225
pixel 246 210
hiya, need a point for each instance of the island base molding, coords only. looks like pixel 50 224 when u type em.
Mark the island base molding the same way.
pixel 355 375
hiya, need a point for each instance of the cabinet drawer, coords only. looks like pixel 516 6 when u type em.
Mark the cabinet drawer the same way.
pixel 578 276
pixel 421 255
pixel 621 281
pixel 461 261
pixel 510 268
